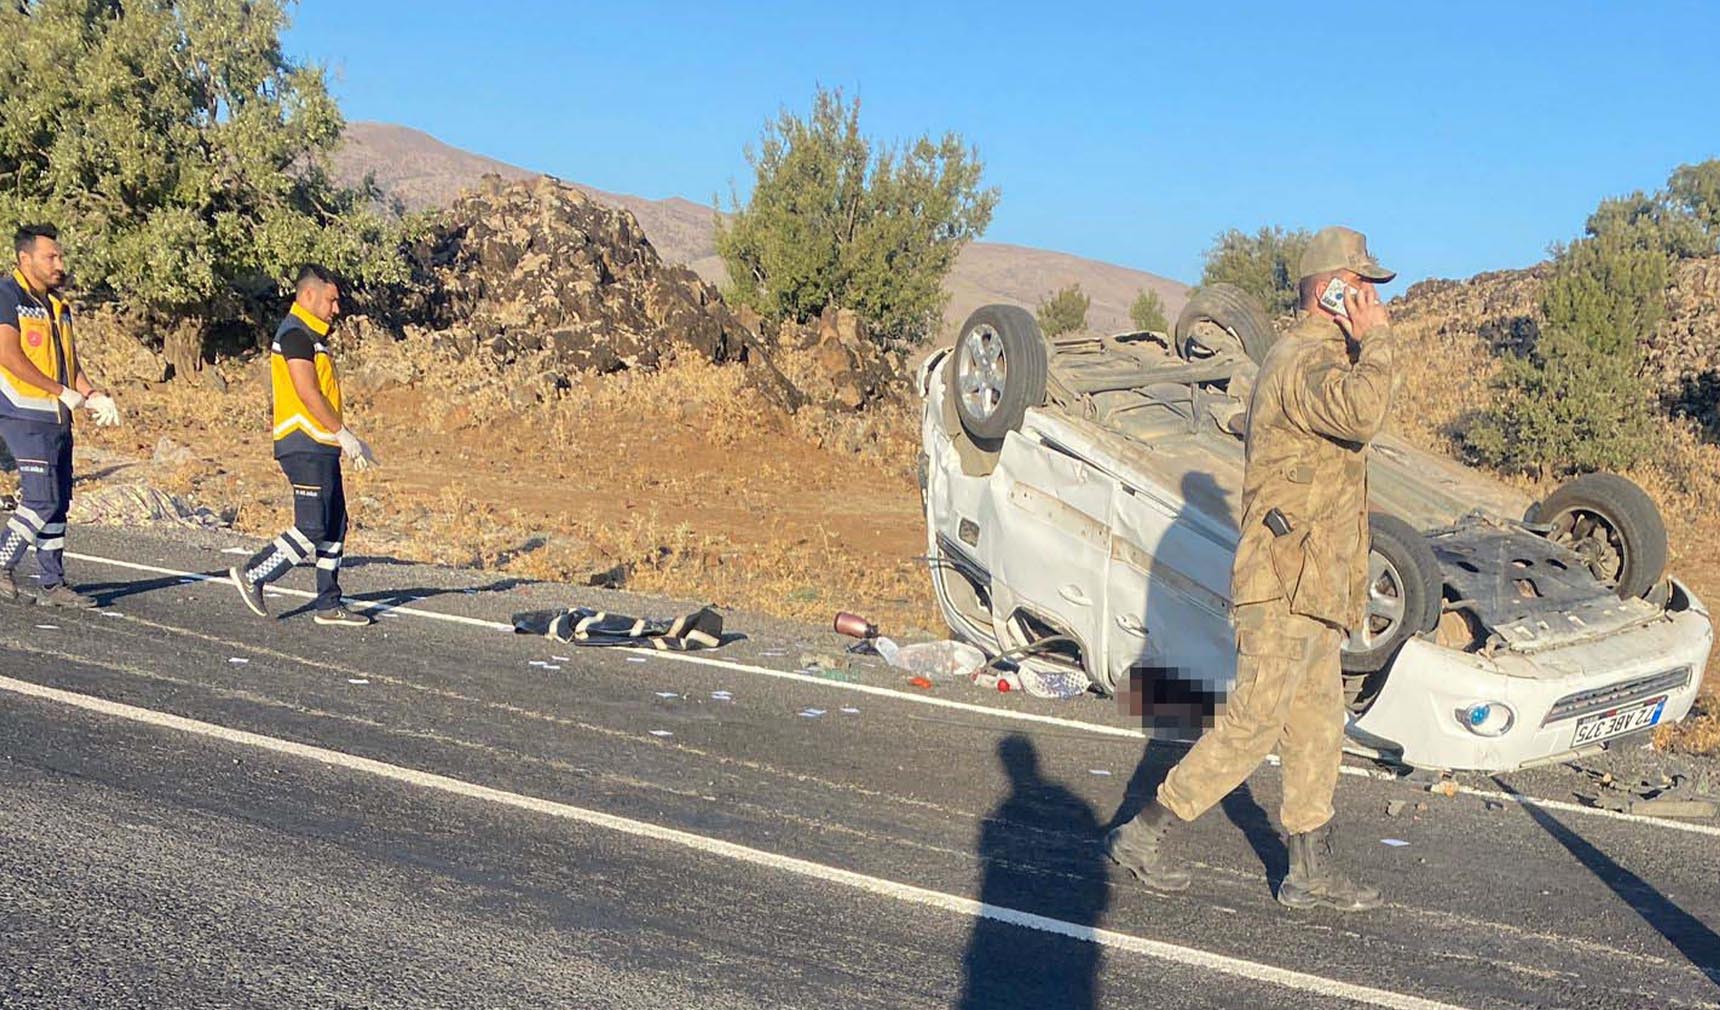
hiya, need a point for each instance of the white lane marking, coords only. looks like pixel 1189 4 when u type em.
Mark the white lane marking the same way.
pixel 1161 950
pixel 1079 725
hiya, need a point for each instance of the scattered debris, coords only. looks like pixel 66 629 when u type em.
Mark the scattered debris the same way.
pixel 48 627
pixel 812 713
pixel 850 710
pixel 585 626
pixel 1674 793
pixel 921 683
pixel 944 660
pixel 1493 805
pixel 661 732
pixel 1104 772
pixel 1395 808
pixel 667 694
pixel 1421 807
pixel 1444 787
pixel 237 660
pixel 1396 843
pixel 241 551
pixel 357 680
pixel 855 626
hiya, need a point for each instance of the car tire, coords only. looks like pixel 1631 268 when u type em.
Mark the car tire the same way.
pixel 996 371
pixel 1613 525
pixel 1240 319
pixel 1404 597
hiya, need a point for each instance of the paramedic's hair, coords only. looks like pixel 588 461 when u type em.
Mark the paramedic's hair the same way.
pixel 313 272
pixel 24 239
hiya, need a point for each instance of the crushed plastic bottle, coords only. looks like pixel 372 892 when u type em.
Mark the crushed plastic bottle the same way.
pixel 935 661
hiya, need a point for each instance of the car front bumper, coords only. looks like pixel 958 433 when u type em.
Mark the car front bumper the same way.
pixel 1416 718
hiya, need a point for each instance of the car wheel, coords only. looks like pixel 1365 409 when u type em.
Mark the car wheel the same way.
pixel 1403 600
pixel 998 371
pixel 1611 524
pixel 1224 319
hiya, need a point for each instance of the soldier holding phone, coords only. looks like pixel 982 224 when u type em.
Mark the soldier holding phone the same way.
pixel 1299 581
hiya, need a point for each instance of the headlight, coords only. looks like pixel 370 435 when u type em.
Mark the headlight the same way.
pixel 1487 718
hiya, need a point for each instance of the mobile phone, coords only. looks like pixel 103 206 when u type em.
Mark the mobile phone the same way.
pixel 1332 299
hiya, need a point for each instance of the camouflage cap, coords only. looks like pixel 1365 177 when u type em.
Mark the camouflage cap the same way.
pixel 1340 248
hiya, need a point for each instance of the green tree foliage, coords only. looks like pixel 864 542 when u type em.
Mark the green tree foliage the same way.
pixel 1695 190
pixel 1262 264
pixel 836 219
pixel 1064 312
pixel 1147 312
pixel 179 150
pixel 1576 400
pixel 1683 220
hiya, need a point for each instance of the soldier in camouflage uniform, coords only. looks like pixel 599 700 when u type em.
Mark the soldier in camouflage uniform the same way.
pixel 1299 582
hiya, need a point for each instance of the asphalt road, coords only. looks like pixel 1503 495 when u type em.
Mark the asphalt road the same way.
pixel 202 808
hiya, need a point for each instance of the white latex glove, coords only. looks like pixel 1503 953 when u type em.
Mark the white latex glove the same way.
pixel 71 398
pixel 355 449
pixel 105 410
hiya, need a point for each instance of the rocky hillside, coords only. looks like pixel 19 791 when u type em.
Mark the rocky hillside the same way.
pixel 1493 313
pixel 422 172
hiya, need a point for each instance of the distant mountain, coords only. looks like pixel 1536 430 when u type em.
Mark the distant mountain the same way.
pixel 422 172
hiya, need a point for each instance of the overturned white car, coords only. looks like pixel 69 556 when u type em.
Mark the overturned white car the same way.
pixel 1083 495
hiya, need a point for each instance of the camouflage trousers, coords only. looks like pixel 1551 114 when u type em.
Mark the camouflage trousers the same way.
pixel 1289 694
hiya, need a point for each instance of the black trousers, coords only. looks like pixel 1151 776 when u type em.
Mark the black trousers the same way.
pixel 319 527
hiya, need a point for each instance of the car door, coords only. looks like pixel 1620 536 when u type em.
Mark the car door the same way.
pixel 1168 589
pixel 1052 510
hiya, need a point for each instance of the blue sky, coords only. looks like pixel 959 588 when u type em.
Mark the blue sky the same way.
pixel 1461 136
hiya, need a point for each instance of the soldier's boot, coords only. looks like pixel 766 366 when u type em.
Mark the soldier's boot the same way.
pixel 1137 846
pixel 1313 880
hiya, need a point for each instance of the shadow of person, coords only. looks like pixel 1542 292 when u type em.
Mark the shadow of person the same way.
pixel 107 593
pixel 1040 849
pixel 1688 934
pixel 390 599
pixel 1178 689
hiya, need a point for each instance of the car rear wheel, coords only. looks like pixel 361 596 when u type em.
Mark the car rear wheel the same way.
pixel 1224 319
pixel 1611 524
pixel 998 371
pixel 1403 600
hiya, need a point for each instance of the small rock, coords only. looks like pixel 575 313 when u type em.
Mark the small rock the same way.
pixel 1395 808
pixel 171 453
pixel 1494 805
pixel 1444 787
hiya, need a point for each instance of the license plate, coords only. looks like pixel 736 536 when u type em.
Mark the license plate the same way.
pixel 1619 721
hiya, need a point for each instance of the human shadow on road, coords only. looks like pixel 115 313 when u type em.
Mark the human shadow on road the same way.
pixel 390 598
pixel 1255 824
pixel 1684 931
pixel 1031 866
pixel 107 593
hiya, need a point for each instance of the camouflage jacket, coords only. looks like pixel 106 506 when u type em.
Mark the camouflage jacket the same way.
pixel 1311 416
